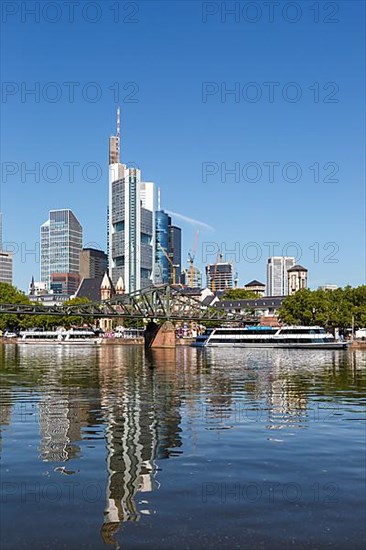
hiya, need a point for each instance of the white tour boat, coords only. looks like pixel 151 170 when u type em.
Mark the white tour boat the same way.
pixel 299 337
pixel 72 336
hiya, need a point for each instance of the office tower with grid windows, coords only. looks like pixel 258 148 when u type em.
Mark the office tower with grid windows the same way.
pixel 277 276
pixel 61 244
pixel 131 222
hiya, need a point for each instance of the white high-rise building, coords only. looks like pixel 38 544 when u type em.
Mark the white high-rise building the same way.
pixel 6 267
pixel 131 222
pixel 61 244
pixel 6 259
pixel 277 277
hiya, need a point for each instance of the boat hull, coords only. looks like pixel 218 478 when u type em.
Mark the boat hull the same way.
pixel 320 345
pixel 59 342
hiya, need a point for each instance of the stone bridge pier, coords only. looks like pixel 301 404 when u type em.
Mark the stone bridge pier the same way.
pixel 160 336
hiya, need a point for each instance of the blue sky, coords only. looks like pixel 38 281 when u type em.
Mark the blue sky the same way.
pixel 161 54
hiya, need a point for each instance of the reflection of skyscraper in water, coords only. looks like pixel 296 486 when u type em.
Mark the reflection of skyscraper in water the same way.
pixel 54 425
pixel 62 415
pixel 287 404
pixel 5 411
pixel 286 392
pixel 136 434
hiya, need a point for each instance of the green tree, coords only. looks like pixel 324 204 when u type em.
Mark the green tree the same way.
pixel 328 308
pixel 9 294
pixel 239 294
pixel 70 320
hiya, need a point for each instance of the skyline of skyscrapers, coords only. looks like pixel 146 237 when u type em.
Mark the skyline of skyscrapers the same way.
pixel 144 247
pixel 61 244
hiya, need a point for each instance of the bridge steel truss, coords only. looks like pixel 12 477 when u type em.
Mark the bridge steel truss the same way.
pixel 155 302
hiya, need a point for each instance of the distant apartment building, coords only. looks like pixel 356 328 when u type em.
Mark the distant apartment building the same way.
pixel 277 277
pixel 219 275
pixel 93 263
pixel 297 278
pixel 61 244
pixel 191 278
pixel 131 222
pixel 328 287
pixel 6 267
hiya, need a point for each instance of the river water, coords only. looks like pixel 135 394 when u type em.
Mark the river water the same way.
pixel 115 447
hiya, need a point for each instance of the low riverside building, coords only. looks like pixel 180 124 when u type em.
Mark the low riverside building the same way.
pixel 267 306
pixel 39 294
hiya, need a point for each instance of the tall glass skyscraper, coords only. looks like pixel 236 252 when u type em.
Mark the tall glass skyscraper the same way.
pixel 131 222
pixel 175 250
pixel 168 252
pixel 162 271
pixel 61 244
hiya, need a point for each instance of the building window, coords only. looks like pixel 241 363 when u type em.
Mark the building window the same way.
pixel 119 226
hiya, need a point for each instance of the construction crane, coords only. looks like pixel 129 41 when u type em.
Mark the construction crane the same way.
pixel 173 266
pixel 191 258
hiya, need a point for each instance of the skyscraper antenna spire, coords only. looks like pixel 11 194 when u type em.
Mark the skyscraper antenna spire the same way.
pixel 118 132
pixel 118 122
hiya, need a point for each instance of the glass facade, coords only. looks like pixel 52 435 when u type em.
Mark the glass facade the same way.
pixel 131 231
pixel 162 247
pixel 175 250
pixel 168 243
pixel 61 244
